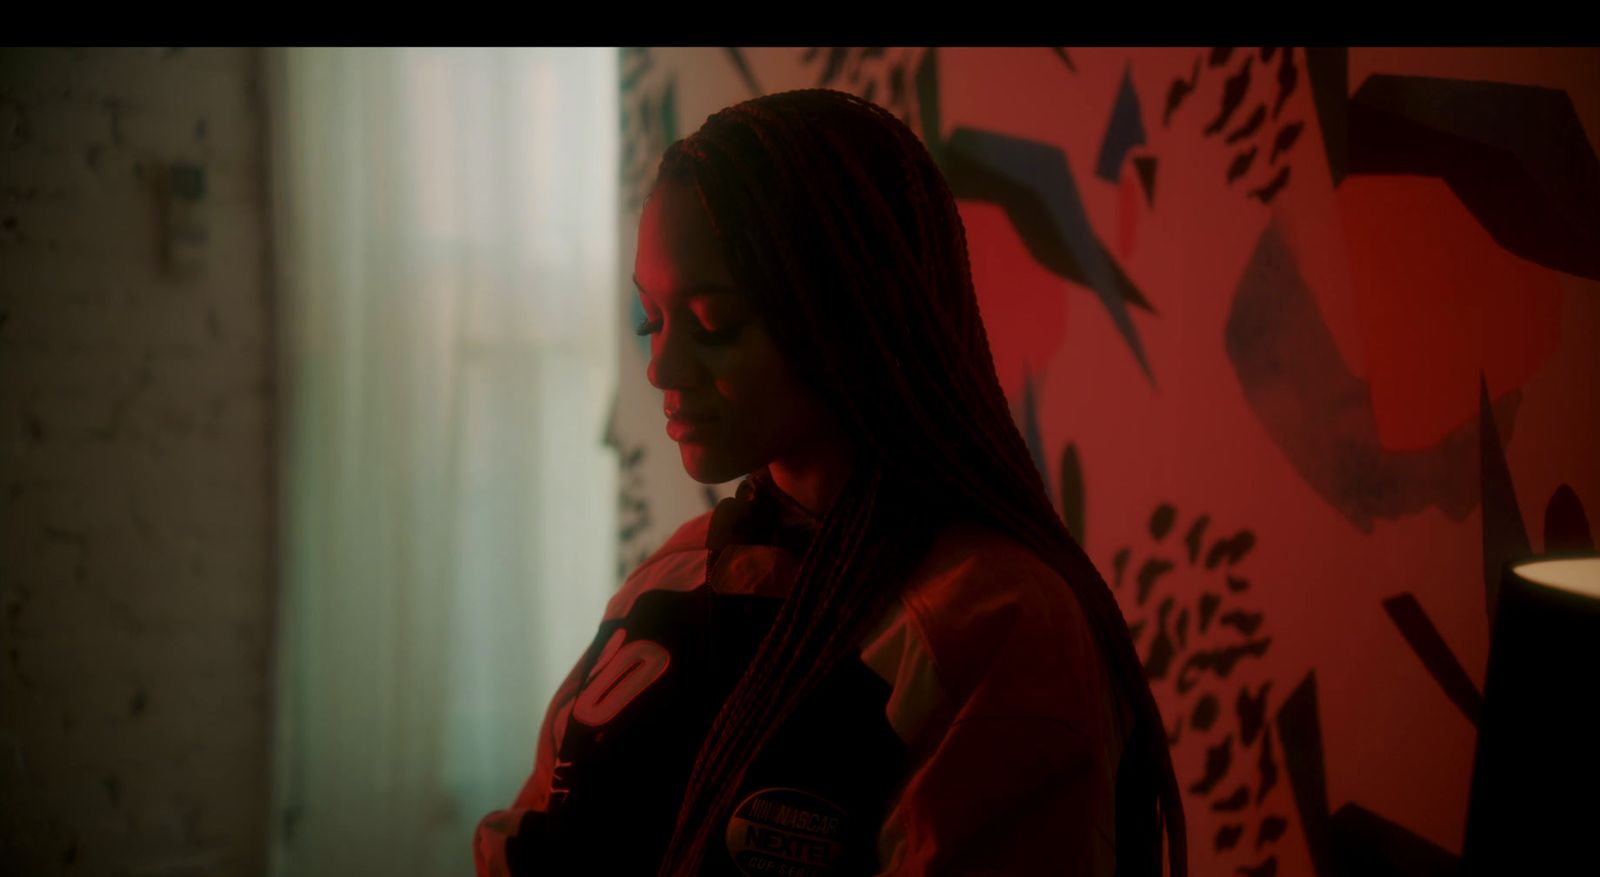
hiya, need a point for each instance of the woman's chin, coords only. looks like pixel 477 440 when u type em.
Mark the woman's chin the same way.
pixel 708 467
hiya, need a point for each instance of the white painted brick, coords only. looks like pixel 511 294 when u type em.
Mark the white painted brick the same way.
pixel 135 469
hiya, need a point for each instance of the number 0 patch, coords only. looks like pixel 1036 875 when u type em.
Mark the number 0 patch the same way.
pixel 623 672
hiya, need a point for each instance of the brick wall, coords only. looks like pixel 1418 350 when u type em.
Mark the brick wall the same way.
pixel 136 399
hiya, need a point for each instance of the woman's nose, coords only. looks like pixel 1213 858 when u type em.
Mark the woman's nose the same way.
pixel 673 364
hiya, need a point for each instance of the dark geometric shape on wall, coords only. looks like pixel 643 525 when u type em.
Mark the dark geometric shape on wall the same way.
pixel 1566 526
pixel 1033 184
pixel 926 81
pixel 1329 72
pixel 1424 639
pixel 1146 166
pixel 1300 737
pixel 1030 428
pixel 1516 155
pixel 1504 536
pixel 1367 844
pixel 1072 511
pixel 740 63
pixel 1066 59
pixel 1355 841
pixel 1125 131
pixel 1320 414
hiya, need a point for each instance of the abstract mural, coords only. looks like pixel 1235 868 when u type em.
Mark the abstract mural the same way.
pixel 1305 343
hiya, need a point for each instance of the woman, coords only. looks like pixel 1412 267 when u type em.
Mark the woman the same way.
pixel 885 654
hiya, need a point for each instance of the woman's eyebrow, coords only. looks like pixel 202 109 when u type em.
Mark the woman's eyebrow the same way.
pixel 693 290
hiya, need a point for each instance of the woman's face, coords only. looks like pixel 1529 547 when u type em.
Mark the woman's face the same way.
pixel 732 403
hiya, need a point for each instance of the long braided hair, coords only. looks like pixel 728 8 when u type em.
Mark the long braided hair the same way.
pixel 834 219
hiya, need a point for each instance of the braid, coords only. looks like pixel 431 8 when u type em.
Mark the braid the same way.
pixel 834 215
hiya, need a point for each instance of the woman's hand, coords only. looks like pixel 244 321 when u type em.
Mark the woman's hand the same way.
pixel 489 842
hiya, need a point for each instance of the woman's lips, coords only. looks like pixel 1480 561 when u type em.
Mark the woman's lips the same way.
pixel 687 426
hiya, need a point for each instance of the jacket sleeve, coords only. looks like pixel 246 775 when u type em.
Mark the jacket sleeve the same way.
pixel 505 838
pixel 1019 779
pixel 515 826
pixel 1005 796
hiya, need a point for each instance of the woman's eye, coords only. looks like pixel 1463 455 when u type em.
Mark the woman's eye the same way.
pixel 718 338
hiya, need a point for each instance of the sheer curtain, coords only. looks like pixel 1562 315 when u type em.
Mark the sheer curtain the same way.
pixel 444 247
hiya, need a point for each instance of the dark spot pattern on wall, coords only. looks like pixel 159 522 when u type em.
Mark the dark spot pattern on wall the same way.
pixel 1218 759
pixel 1241 164
pixel 1177 92
pixel 649 122
pixel 1251 125
pixel 871 72
pixel 1288 77
pixel 1267 868
pixel 1228 836
pixel 1287 137
pixel 1246 85
pixel 1252 711
pixel 1234 802
pixel 1266 193
pixel 1162 585
pixel 1159 658
pixel 1152 569
pixel 1271 829
pixel 1233 92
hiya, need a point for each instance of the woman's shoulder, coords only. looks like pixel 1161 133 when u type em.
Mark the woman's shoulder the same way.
pixel 674 565
pixel 1001 623
pixel 972 567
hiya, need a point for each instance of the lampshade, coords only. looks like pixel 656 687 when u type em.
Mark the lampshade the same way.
pixel 1535 801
